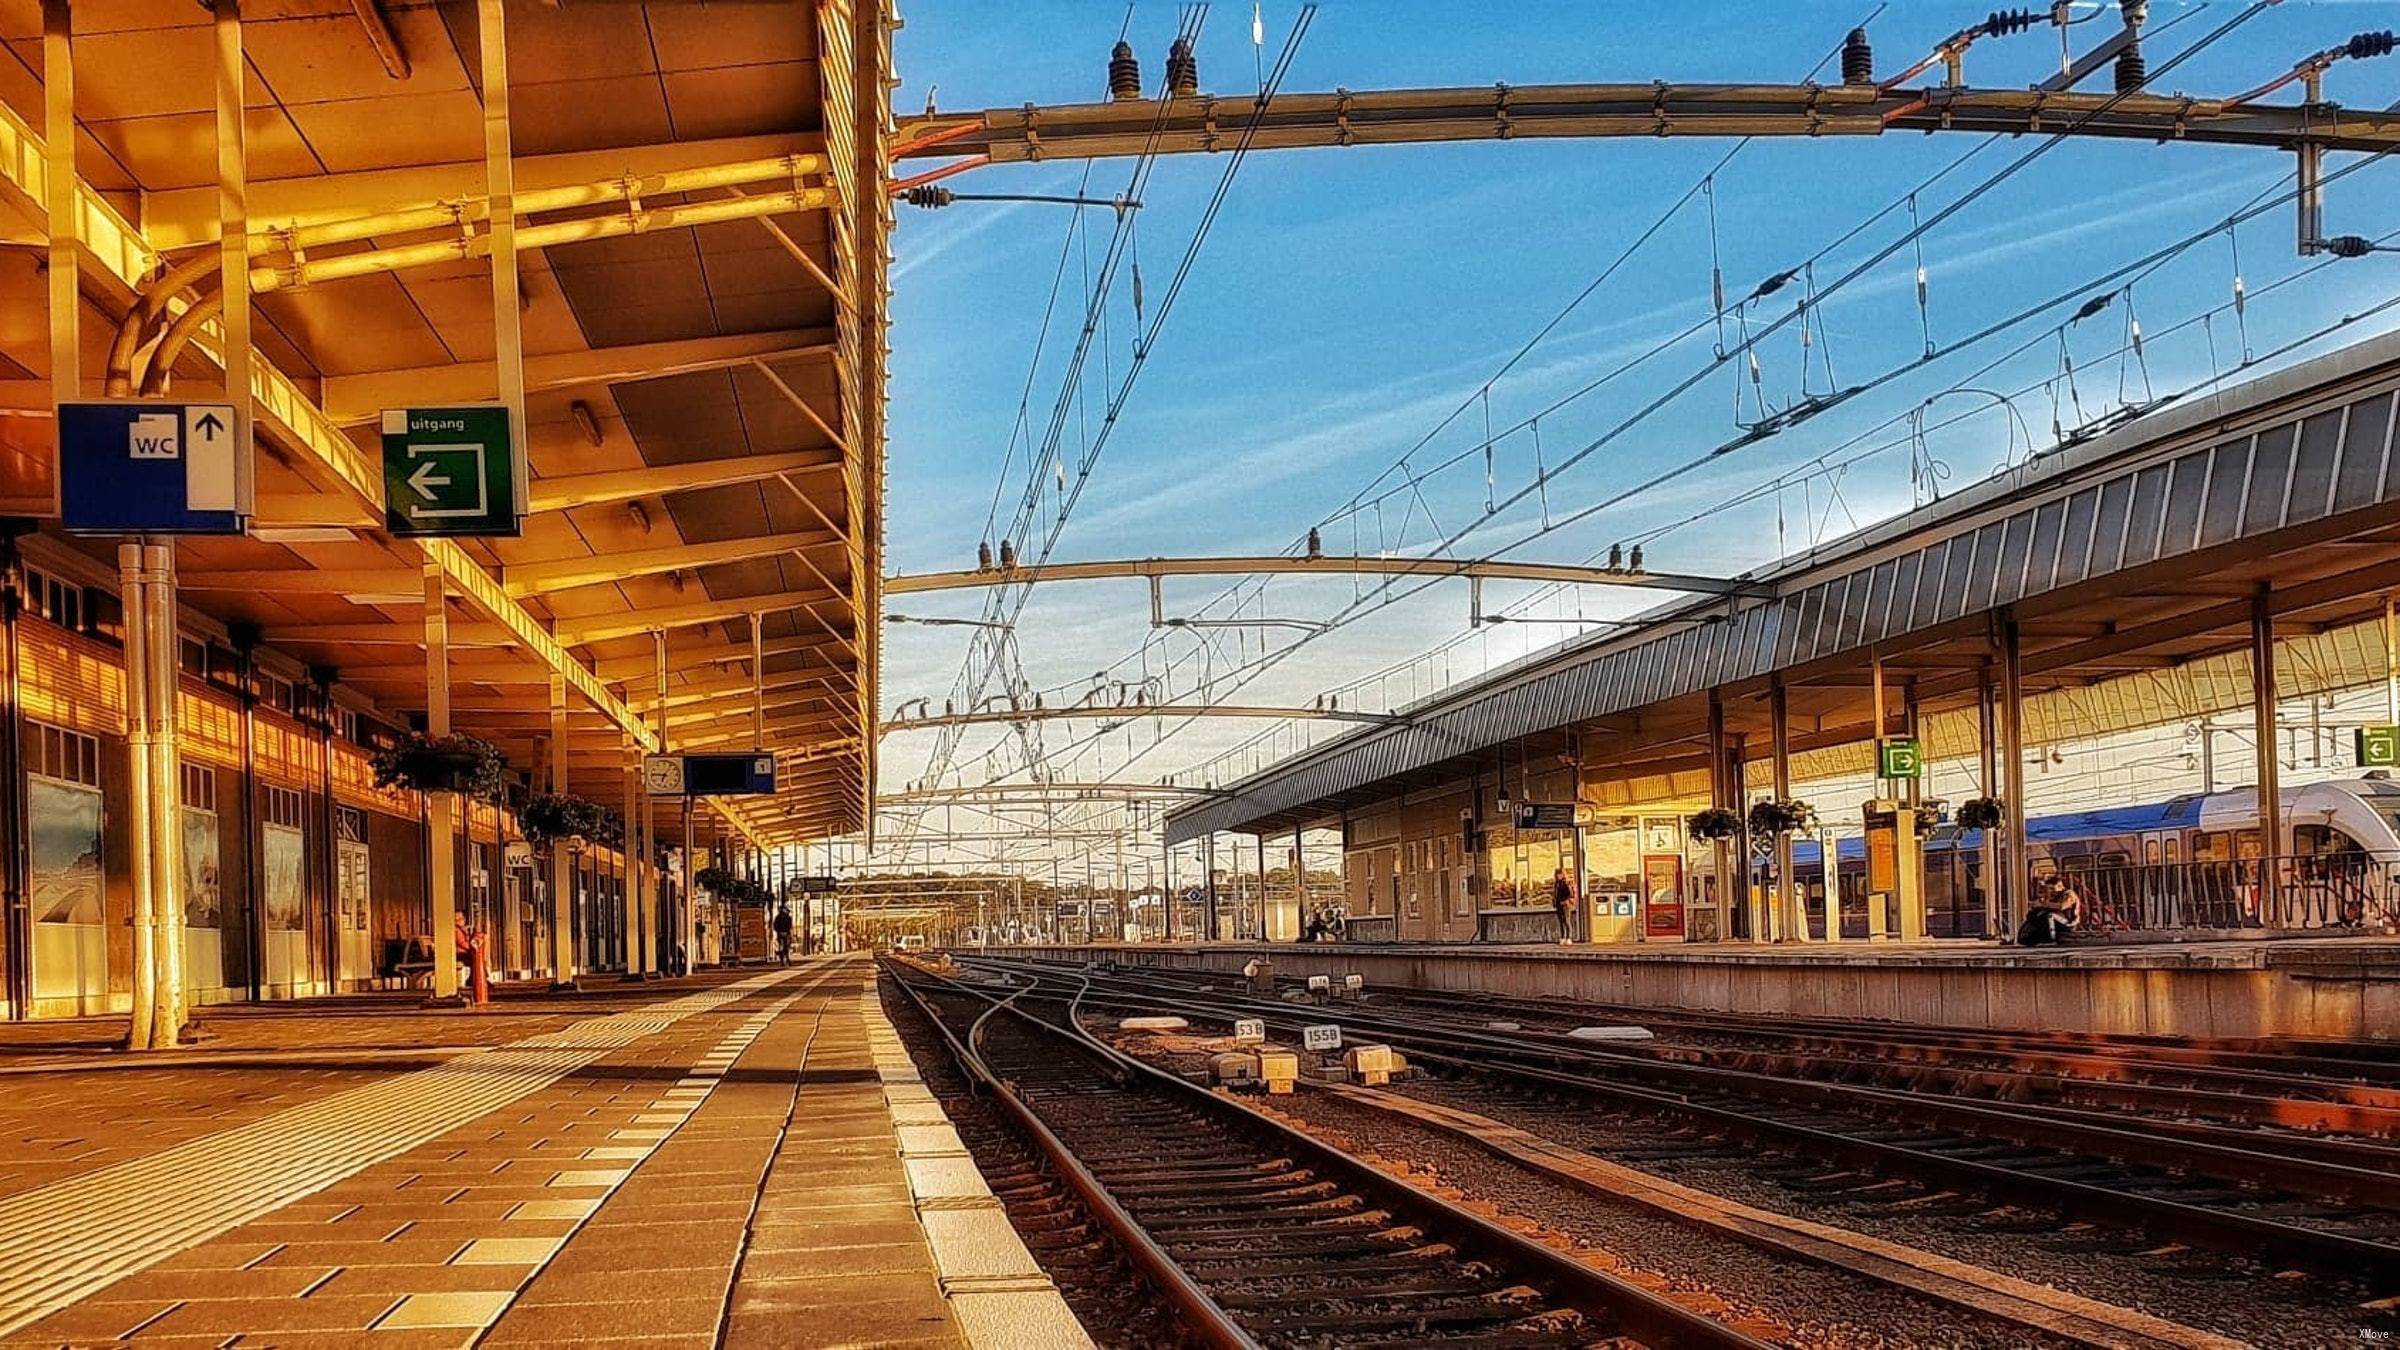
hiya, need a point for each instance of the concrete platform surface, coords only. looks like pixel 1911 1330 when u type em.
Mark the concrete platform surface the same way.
pixel 2339 988
pixel 744 1158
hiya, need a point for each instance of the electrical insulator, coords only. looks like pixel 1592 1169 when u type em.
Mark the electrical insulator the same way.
pixel 1124 74
pixel 2349 246
pixel 1316 544
pixel 2135 327
pixel 1183 69
pixel 1858 58
pixel 2093 306
pixel 2241 296
pixel 1635 562
pixel 2133 71
pixel 1616 557
pixel 1920 285
pixel 1008 553
pixel 1773 284
pixel 2002 22
pixel 928 195
pixel 983 556
pixel 2364 45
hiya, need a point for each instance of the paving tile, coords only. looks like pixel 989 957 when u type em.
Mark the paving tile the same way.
pixel 508 1251
pixel 456 1308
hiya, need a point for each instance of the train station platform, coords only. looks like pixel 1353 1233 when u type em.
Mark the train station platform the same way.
pixel 744 1158
pixel 2339 988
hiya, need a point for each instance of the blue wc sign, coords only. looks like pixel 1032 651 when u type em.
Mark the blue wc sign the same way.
pixel 137 466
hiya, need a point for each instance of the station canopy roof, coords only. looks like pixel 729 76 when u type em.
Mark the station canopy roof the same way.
pixel 704 399
pixel 2132 564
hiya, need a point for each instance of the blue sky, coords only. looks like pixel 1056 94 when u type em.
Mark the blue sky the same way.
pixel 1348 299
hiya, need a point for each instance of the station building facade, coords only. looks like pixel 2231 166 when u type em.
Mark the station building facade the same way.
pixel 301 876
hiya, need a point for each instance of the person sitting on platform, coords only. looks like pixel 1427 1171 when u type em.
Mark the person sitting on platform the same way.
pixel 2053 916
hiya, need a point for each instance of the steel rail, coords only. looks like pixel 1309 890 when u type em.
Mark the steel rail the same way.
pixel 1654 1320
pixel 1204 1319
pixel 2235 1232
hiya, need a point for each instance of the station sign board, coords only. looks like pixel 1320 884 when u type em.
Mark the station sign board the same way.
pixel 451 471
pixel 1899 757
pixel 2379 746
pixel 135 466
pixel 742 773
pixel 813 885
pixel 1545 815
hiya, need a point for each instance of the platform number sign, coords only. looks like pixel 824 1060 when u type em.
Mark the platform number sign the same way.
pixel 1899 757
pixel 1321 1037
pixel 2379 746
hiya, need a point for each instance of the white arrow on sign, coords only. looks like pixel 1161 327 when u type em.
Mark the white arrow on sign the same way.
pixel 422 482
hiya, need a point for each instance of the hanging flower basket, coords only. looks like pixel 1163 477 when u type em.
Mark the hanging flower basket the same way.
pixel 1789 816
pixel 1714 823
pixel 1929 818
pixel 717 881
pixel 552 817
pixel 1982 813
pixel 455 763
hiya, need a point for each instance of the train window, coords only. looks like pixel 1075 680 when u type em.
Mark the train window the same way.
pixel 2173 846
pixel 2150 852
pixel 2114 858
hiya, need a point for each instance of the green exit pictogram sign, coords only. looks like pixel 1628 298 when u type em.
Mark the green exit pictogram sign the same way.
pixel 1899 757
pixel 450 471
pixel 2379 746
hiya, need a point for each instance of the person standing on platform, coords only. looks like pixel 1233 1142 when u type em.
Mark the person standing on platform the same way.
pixel 783 932
pixel 1562 899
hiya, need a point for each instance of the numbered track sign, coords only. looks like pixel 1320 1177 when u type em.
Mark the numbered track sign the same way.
pixel 1321 1038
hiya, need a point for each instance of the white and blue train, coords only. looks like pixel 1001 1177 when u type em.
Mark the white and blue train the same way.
pixel 2184 863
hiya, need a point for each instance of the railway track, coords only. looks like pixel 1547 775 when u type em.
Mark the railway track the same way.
pixel 1260 1235
pixel 2255 1199
pixel 2295 1086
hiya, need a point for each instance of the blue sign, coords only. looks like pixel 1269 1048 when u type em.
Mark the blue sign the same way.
pixel 137 467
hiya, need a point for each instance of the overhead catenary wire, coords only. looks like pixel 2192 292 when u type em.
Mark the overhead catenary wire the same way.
pixel 1972 339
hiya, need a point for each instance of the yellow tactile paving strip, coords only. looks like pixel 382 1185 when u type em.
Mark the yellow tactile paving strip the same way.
pixel 292 1178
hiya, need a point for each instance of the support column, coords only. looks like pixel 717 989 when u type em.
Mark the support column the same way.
pixel 1790 922
pixel 59 201
pixel 500 187
pixel 441 808
pixel 2273 844
pixel 562 862
pixel 1208 864
pixel 630 900
pixel 1722 795
pixel 2012 873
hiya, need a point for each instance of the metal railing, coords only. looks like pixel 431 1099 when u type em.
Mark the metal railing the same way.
pixel 2329 891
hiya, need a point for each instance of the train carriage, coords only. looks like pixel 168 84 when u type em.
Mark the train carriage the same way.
pixel 2190 862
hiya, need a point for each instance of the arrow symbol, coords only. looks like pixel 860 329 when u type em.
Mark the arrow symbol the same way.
pixel 423 481
pixel 209 424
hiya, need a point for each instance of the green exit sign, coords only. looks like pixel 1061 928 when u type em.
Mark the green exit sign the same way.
pixel 450 471
pixel 2379 746
pixel 1899 757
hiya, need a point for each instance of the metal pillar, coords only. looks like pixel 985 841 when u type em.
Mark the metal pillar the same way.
pixel 1723 795
pixel 562 862
pixel 2391 663
pixel 636 804
pixel 500 188
pixel 156 833
pixel 1208 864
pixel 2012 874
pixel 441 808
pixel 1790 923
pixel 2273 845
pixel 1166 886
pixel 60 191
